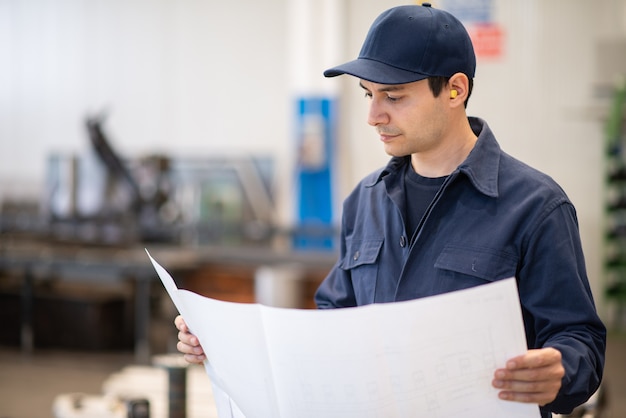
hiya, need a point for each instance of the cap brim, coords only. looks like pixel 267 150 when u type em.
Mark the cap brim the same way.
pixel 375 71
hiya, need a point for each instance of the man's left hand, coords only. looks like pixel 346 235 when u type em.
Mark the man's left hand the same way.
pixel 534 377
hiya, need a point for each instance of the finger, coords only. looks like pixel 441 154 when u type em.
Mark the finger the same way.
pixel 190 358
pixel 180 324
pixel 540 398
pixel 528 386
pixel 189 349
pixel 549 373
pixel 535 358
pixel 188 339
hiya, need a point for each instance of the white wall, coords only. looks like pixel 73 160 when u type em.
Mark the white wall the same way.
pixel 212 76
pixel 177 76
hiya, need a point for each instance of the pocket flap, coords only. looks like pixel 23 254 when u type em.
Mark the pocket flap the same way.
pixel 360 252
pixel 486 263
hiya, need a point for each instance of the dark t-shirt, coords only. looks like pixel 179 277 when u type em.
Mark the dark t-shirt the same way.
pixel 420 192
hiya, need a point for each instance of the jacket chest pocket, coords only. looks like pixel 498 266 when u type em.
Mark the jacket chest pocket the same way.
pixel 479 262
pixel 360 262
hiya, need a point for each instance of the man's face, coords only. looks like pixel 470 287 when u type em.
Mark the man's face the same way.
pixel 408 118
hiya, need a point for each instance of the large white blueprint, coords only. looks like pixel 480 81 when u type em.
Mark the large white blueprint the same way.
pixel 430 357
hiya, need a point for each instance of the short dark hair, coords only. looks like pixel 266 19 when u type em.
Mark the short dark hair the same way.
pixel 437 84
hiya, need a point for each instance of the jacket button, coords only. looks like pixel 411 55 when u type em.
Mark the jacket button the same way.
pixel 356 256
pixel 402 241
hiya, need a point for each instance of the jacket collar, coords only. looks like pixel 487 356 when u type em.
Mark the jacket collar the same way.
pixel 481 165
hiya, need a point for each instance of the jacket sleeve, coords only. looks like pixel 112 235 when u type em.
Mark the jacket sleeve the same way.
pixel 336 290
pixel 558 306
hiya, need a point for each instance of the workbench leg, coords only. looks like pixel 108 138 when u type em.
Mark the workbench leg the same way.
pixel 176 369
pixel 142 321
pixel 26 328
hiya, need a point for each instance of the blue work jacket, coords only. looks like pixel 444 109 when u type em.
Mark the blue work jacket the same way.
pixel 494 218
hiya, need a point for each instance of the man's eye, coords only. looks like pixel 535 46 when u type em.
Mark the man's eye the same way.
pixel 368 95
pixel 392 98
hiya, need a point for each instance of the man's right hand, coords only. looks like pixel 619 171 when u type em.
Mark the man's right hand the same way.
pixel 188 344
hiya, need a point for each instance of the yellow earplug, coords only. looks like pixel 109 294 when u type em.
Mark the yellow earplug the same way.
pixel 453 94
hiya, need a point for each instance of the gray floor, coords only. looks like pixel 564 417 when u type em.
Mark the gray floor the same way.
pixel 29 384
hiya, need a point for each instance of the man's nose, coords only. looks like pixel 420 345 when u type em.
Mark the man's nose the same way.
pixel 377 115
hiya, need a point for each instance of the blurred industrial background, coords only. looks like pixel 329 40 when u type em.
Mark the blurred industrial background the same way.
pixel 205 132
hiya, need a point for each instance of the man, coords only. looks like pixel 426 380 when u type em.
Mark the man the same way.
pixel 452 211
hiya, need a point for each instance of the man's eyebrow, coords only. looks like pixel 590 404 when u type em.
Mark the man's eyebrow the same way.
pixel 391 87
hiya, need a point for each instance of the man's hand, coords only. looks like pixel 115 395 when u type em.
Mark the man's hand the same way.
pixel 188 344
pixel 534 377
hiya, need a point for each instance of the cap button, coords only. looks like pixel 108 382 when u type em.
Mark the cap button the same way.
pixel 426 4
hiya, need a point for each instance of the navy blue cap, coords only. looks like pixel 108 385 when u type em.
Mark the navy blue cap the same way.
pixel 410 43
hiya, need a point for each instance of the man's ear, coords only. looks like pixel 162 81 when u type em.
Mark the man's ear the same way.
pixel 458 89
